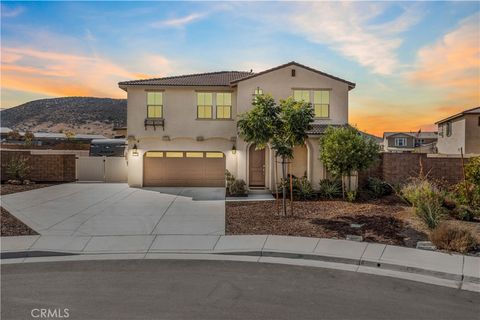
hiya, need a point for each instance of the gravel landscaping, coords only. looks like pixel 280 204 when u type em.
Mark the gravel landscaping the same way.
pixel 387 220
pixel 11 226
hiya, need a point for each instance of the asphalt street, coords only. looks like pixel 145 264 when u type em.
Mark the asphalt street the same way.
pixel 186 289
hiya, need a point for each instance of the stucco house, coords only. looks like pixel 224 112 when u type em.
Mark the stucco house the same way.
pixel 460 132
pixel 182 130
pixel 423 142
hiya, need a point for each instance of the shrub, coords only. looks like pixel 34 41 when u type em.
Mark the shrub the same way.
pixel 235 187
pixel 18 168
pixel 330 189
pixel 351 195
pixel 427 199
pixel 466 213
pixel 303 189
pixel 452 238
pixel 472 171
pixel 378 188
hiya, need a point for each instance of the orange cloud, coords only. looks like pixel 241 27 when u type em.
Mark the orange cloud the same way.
pixel 61 74
pixel 453 64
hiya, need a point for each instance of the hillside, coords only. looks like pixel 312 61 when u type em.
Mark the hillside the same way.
pixel 79 114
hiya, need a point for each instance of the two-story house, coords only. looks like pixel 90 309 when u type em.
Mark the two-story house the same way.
pixel 423 142
pixel 460 132
pixel 183 130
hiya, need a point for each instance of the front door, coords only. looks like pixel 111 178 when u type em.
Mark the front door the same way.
pixel 256 167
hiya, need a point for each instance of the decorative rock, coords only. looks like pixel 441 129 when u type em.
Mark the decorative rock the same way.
pixel 353 237
pixel 356 225
pixel 426 245
pixel 18 182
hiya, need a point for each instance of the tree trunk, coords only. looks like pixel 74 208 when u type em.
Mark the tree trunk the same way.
pixel 284 186
pixel 343 186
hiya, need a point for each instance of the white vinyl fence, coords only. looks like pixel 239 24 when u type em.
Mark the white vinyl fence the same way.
pixel 101 169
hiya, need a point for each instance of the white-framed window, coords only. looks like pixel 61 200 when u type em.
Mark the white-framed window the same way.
pixel 204 105
pixel 400 142
pixel 320 100
pixel 223 102
pixel 155 105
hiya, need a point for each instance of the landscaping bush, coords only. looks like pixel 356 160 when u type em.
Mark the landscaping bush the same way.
pixel 472 171
pixel 452 238
pixel 351 195
pixel 235 187
pixel 466 199
pixel 378 188
pixel 18 168
pixel 330 189
pixel 427 199
pixel 303 189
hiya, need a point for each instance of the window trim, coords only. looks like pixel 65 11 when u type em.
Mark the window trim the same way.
pixel 162 109
pixel 312 99
pixel 400 139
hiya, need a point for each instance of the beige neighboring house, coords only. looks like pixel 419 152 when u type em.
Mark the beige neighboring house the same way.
pixel 422 142
pixel 460 132
pixel 183 130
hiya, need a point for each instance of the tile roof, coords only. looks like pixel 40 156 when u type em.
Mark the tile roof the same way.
pixel 351 85
pixel 318 129
pixel 221 78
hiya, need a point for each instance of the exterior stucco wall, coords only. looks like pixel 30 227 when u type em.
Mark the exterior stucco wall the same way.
pixel 451 144
pixel 280 84
pixel 180 113
pixel 472 134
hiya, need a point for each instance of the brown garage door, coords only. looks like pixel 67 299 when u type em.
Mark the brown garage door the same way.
pixel 184 169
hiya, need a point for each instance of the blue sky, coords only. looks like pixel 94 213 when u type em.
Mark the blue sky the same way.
pixel 413 62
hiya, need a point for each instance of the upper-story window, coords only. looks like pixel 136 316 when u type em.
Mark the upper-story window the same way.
pixel 449 129
pixel 154 104
pixel 223 102
pixel 400 142
pixel 320 100
pixel 204 105
pixel 258 91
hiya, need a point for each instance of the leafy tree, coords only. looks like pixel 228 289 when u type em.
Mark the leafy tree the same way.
pixel 14 135
pixel 28 136
pixel 282 126
pixel 343 150
pixel 472 171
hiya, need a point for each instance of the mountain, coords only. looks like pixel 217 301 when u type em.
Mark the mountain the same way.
pixel 78 114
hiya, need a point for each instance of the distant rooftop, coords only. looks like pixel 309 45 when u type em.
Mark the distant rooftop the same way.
pixel 418 135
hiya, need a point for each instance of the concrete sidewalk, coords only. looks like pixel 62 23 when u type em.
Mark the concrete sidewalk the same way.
pixel 355 256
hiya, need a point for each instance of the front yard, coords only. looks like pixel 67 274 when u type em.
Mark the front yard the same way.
pixel 387 220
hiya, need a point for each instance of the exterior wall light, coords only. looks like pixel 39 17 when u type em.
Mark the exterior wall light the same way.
pixel 234 149
pixel 135 150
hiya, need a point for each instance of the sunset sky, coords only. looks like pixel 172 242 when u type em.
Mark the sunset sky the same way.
pixel 413 62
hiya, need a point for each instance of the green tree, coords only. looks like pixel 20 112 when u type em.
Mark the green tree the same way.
pixel 282 126
pixel 28 136
pixel 343 150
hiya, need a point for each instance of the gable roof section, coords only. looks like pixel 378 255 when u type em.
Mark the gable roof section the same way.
pixel 221 78
pixel 351 85
pixel 418 135
pixel 475 110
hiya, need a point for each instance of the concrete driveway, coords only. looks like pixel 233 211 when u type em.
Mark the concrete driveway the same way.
pixel 88 209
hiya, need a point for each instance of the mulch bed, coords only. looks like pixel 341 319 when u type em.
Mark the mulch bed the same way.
pixel 11 226
pixel 383 220
pixel 14 188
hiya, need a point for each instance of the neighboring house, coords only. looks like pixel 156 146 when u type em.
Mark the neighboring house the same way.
pixel 182 130
pixel 4 131
pixel 460 132
pixel 423 142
